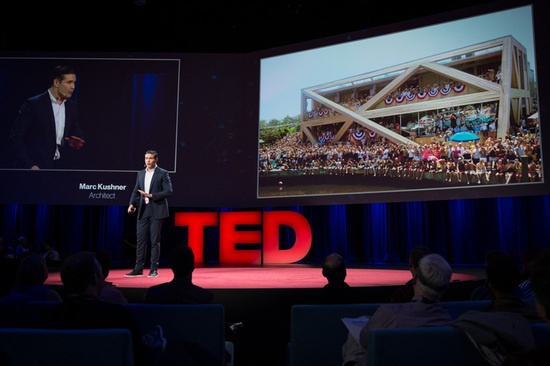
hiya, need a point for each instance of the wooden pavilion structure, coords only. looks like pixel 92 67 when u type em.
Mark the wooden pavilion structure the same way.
pixel 405 93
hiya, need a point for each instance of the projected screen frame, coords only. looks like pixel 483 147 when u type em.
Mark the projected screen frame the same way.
pixel 124 105
pixel 302 85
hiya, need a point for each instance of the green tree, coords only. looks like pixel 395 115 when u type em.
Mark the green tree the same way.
pixel 270 135
pixel 275 129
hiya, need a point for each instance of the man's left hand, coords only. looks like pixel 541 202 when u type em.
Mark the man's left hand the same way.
pixel 75 142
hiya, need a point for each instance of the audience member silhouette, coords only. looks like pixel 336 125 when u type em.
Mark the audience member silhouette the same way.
pixel 525 285
pixel 539 275
pixel 109 292
pixel 503 276
pixel 430 281
pixel 23 248
pixel 507 321
pixel 337 290
pixel 32 273
pixel 53 259
pixel 8 268
pixel 405 292
pixel 82 279
pixel 181 289
pixel 483 292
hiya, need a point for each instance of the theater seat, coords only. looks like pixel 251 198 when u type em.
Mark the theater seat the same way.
pixel 428 346
pixel 317 332
pixel 195 332
pixel 55 347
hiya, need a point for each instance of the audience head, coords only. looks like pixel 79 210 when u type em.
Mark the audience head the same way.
pixel 432 277
pixel 492 254
pixel 23 246
pixel 527 258
pixel 182 261
pixel 32 270
pixel 334 268
pixel 23 241
pixel 416 254
pixel 539 271
pixel 502 274
pixel 81 274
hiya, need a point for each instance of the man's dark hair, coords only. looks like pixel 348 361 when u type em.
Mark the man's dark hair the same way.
pixel 60 71
pixel 79 271
pixel 182 261
pixel 503 273
pixel 152 152
pixel 32 270
pixel 334 268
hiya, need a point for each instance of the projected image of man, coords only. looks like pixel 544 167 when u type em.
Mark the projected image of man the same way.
pixel 47 129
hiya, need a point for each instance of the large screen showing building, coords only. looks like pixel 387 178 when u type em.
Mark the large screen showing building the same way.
pixel 435 109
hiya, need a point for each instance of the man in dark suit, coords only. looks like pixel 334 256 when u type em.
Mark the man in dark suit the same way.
pixel 149 199
pixel 47 124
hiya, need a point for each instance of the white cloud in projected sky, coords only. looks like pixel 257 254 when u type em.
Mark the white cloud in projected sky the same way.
pixel 283 77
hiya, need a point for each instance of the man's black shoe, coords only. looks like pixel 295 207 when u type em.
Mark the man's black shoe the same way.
pixel 134 273
pixel 153 273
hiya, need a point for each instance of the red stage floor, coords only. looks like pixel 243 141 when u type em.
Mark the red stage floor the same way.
pixel 267 277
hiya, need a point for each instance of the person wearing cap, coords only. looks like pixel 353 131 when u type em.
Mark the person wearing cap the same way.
pixel 430 281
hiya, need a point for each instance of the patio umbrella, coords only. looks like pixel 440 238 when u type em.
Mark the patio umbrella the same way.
pixel 464 137
pixel 534 116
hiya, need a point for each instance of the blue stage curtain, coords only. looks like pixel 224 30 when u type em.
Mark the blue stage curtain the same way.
pixel 111 229
pixel 378 233
pixel 10 230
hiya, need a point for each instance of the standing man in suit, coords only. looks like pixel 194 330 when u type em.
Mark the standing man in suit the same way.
pixel 149 199
pixel 47 125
